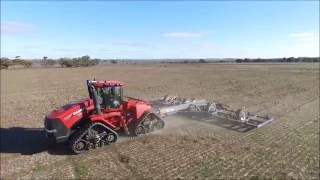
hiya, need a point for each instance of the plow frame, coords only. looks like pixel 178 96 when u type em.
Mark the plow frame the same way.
pixel 169 105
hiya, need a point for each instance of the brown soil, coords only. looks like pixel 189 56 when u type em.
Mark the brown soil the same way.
pixel 187 148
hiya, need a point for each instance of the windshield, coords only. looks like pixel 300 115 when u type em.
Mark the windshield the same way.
pixel 109 97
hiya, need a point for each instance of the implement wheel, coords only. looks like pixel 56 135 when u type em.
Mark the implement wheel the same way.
pixel 242 115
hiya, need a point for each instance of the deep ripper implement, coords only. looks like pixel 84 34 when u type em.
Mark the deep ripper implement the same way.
pixel 96 121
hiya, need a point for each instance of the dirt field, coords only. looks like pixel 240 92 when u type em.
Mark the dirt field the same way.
pixel 186 148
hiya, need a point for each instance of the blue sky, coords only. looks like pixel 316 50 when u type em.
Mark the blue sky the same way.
pixel 159 29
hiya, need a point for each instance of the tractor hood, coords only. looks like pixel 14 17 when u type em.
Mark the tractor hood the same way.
pixel 137 100
pixel 138 106
pixel 71 112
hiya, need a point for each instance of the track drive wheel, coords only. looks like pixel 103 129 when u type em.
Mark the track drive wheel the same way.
pixel 77 143
pixel 147 123
pixel 93 136
pixel 159 124
pixel 139 130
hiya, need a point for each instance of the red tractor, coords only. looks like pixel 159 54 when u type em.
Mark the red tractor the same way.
pixel 97 120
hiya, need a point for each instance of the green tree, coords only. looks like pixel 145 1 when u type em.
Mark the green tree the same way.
pixel 65 62
pixel 84 60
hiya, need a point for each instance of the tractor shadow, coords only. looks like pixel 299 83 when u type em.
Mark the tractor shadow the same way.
pixel 217 121
pixel 28 141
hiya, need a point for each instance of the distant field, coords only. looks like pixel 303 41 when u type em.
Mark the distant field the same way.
pixel 186 148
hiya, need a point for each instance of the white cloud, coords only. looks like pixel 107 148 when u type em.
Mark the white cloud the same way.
pixel 304 44
pixel 13 27
pixel 305 36
pixel 182 34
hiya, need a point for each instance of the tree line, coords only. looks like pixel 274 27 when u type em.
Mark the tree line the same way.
pixel 83 61
pixel 281 60
pixel 6 62
pixel 247 60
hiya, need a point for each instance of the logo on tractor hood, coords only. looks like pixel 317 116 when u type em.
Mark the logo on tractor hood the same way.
pixel 73 114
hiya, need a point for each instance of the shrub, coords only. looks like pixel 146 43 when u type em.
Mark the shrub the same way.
pixel 24 63
pixel 202 61
pixel 65 62
pixel 114 61
pixel 27 64
pixel 239 60
pixel 94 62
pixel 5 63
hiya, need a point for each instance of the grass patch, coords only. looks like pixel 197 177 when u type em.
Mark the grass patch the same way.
pixel 80 170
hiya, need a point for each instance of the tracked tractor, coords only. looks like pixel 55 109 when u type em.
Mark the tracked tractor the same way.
pixel 97 120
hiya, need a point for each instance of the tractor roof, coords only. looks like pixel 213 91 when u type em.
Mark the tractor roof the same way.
pixel 106 83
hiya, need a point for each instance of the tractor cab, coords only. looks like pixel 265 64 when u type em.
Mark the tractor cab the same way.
pixel 105 94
